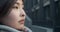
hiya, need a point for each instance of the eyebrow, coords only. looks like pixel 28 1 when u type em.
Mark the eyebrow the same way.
pixel 17 3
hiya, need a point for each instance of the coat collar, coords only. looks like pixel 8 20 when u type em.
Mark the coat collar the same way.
pixel 7 28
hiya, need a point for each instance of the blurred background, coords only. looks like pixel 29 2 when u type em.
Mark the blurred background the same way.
pixel 42 15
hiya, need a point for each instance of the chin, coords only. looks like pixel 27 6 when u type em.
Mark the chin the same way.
pixel 22 25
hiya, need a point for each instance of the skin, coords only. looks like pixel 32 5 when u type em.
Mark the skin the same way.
pixel 16 17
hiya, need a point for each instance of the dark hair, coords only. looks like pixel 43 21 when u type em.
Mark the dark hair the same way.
pixel 5 5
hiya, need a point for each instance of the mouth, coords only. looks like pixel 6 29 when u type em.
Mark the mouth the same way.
pixel 22 21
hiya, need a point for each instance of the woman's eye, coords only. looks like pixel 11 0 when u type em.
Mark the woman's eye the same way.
pixel 15 7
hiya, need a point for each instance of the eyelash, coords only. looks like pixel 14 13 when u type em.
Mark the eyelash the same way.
pixel 15 7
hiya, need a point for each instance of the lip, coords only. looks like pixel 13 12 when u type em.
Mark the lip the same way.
pixel 21 21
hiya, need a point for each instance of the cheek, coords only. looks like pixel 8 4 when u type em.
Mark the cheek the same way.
pixel 14 15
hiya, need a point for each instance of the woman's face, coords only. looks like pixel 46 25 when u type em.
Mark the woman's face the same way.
pixel 16 17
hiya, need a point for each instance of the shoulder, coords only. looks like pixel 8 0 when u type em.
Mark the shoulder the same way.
pixel 4 28
pixel 3 31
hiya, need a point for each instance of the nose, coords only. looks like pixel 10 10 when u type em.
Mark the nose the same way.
pixel 22 13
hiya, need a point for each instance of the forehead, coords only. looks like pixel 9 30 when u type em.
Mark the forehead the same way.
pixel 20 2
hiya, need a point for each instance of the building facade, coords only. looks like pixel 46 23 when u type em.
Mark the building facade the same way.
pixel 44 13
